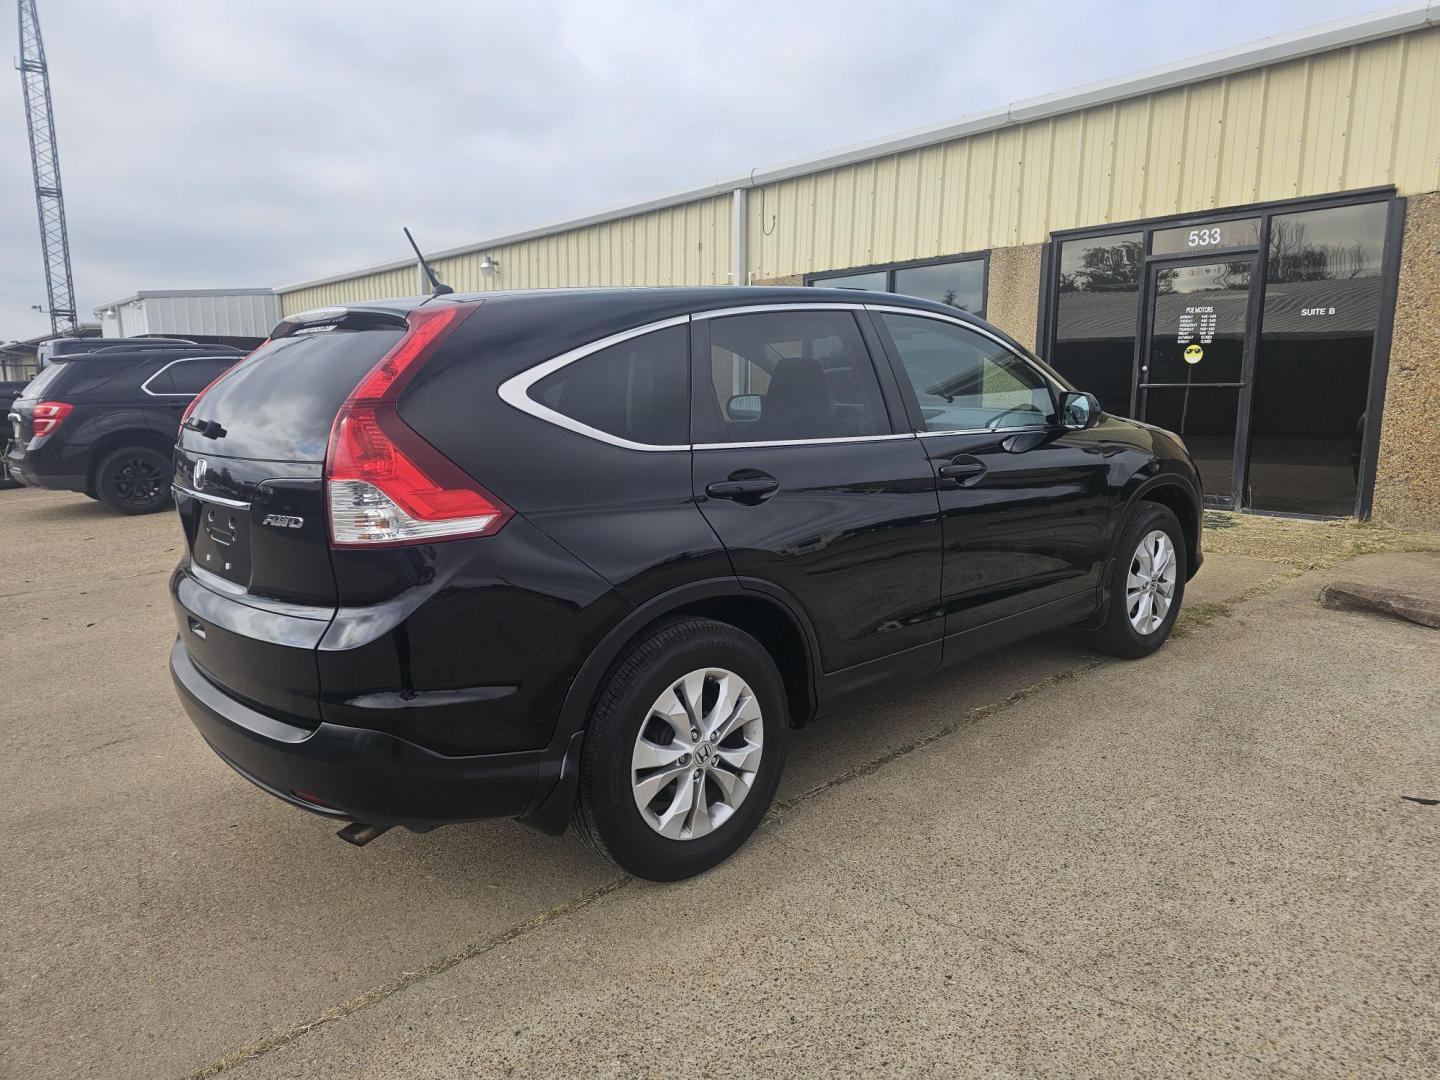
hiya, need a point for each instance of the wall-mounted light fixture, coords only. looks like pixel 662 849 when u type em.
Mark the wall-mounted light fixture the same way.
pixel 489 265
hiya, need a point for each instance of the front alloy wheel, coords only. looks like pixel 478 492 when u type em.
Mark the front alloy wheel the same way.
pixel 1145 583
pixel 697 754
pixel 1150 585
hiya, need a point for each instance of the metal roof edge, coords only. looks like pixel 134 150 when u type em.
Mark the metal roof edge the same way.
pixel 1277 48
pixel 148 294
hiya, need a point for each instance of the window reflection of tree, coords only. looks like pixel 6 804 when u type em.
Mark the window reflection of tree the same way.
pixel 1106 268
pixel 1293 257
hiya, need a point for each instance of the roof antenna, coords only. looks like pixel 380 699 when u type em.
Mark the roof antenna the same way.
pixel 437 287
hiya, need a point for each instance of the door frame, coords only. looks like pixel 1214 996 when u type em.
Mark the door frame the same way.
pixel 1249 346
pixel 1046 322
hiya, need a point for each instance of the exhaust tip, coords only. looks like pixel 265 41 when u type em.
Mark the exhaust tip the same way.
pixel 360 834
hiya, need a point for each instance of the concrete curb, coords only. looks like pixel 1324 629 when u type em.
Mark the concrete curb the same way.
pixel 1351 596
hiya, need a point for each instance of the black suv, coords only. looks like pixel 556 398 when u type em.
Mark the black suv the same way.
pixel 103 422
pixel 587 554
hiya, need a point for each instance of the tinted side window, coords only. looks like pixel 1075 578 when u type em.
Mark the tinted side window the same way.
pixel 192 376
pixel 965 381
pixel 777 376
pixel 637 390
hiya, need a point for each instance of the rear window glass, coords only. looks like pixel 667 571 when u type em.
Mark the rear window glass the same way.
pixel 36 386
pixel 279 404
pixel 638 389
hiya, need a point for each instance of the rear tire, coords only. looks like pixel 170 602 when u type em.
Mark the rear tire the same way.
pixel 638 748
pixel 134 480
pixel 1143 593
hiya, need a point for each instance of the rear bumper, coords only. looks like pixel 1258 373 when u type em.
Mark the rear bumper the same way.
pixel 23 470
pixel 355 773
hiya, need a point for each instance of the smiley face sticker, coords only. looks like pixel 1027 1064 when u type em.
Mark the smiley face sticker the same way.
pixel 1194 354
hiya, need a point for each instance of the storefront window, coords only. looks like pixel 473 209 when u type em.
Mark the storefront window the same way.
pixel 874 280
pixel 1312 371
pixel 957 282
pixel 1099 304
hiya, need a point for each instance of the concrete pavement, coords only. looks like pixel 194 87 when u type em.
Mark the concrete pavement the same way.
pixel 1198 864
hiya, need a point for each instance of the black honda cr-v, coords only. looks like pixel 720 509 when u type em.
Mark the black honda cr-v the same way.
pixel 587 554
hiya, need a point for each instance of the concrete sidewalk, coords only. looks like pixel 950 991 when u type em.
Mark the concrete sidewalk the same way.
pixel 1198 864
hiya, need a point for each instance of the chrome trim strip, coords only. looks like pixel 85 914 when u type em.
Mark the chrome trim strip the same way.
pixel 236 503
pixel 515 391
pixel 801 442
pixel 156 374
pixel 942 317
pixel 984 431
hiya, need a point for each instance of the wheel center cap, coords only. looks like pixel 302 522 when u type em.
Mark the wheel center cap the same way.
pixel 704 754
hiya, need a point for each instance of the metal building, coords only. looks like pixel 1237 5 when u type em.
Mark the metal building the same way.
pixel 238 317
pixel 1244 248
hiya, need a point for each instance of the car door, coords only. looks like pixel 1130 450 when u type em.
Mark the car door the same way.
pixel 811 490
pixel 1024 503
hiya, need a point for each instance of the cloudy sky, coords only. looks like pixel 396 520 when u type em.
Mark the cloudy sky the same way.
pixel 214 143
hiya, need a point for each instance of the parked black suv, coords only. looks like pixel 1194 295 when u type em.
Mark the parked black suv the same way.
pixel 103 421
pixel 589 553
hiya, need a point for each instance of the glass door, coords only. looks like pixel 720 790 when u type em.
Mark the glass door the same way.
pixel 1196 361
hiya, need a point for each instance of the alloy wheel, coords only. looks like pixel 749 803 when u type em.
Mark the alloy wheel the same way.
pixel 138 481
pixel 1150 585
pixel 697 754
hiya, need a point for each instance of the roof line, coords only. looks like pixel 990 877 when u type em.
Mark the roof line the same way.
pixel 1341 33
pixel 146 294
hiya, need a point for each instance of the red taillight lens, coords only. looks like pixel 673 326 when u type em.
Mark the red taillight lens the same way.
pixel 48 416
pixel 385 484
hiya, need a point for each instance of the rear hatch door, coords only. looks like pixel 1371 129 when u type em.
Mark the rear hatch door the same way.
pixel 257 590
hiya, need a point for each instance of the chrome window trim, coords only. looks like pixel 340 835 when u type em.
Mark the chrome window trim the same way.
pixel 204 497
pixel 802 442
pixel 965 325
pixel 145 386
pixel 515 391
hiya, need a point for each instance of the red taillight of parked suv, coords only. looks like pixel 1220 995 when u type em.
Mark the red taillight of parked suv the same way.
pixel 48 416
pixel 385 485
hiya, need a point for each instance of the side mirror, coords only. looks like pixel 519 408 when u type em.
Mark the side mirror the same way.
pixel 1079 411
pixel 744 407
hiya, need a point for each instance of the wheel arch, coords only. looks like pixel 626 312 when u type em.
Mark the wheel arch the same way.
pixel 1174 491
pixel 111 441
pixel 764 611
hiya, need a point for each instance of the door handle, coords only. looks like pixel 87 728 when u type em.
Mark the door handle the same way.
pixel 750 490
pixel 960 470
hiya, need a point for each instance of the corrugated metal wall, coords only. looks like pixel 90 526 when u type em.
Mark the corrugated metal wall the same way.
pixel 681 245
pixel 402 282
pixel 1357 117
pixel 1352 118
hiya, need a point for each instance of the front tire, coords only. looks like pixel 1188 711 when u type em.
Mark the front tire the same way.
pixel 684 751
pixel 1146 584
pixel 134 480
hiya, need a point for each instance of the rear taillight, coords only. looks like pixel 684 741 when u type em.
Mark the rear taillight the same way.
pixel 385 485
pixel 48 416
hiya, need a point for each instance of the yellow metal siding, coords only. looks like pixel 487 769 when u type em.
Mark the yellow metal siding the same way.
pixel 680 245
pixel 1363 116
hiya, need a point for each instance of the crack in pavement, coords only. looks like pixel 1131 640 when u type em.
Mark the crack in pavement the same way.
pixel 1060 971
pixel 775 815
pixel 405 979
